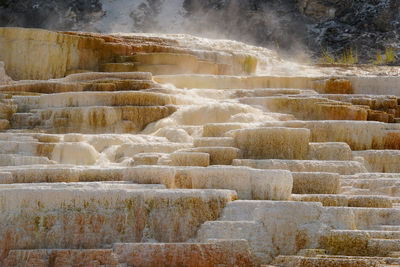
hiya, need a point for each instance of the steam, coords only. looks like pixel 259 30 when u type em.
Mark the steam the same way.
pixel 142 16
pixel 253 23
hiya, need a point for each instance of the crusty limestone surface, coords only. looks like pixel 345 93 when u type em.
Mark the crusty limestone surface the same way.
pixel 172 150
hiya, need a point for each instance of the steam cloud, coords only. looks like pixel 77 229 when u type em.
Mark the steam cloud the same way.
pixel 255 22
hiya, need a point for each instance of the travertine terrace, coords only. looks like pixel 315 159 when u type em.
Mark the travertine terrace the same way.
pixel 171 150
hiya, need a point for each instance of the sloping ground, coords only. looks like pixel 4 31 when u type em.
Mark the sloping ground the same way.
pixel 209 163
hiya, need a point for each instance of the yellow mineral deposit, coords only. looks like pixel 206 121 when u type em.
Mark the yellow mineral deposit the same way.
pixel 174 150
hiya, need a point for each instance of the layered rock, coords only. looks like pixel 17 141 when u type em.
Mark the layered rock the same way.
pixel 35 216
pixel 206 165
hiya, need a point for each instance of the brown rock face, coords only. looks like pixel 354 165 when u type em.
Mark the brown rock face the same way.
pixel 221 253
pixel 62 257
pixel 4 79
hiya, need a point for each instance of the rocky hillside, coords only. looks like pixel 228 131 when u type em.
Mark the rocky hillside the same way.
pixel 298 27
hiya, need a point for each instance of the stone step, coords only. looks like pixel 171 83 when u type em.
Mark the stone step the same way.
pixel 247 82
pixel 238 64
pixel 180 158
pixel 370 85
pixel 331 261
pixel 248 183
pixel 131 149
pixel 311 252
pixel 310 108
pixel 61 257
pixel 359 135
pixel 69 173
pixel 371 176
pixel 382 186
pixel 163 69
pixel 184 60
pixel 383 247
pixel 330 151
pixel 245 230
pixel 218 155
pixel 394 254
pixel 41 210
pixel 217 253
pixel 263 92
pixel 390 227
pixel 105 85
pixel 378 102
pixel 228 229
pixel 146 159
pixel 18 160
pixel 90 81
pixel 220 129
pixel 348 190
pixel 373 234
pixel 119 67
pixel 346 200
pixel 273 142
pixel 201 67
pixel 26 147
pixel 386 260
pixel 381 160
pixel 362 218
pixel 340 167
pixel 84 99
pixel 25 120
pixel 214 142
pixel 359 243
pixel 95 119
pixel 315 183
pixel 384 234
pixel 4 125
pixel 112 185
pixel 370 134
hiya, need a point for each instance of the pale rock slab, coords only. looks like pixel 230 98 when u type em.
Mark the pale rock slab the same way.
pixel 219 155
pixel 214 142
pixel 248 183
pixel 341 167
pixel 190 159
pixel 381 160
pixel 370 201
pixel 76 153
pixel 273 143
pixel 330 151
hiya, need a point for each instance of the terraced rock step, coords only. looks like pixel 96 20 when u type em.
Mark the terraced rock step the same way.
pixel 84 99
pixel 332 261
pixel 346 200
pixel 228 252
pixel 61 257
pixel 249 183
pixel 341 167
pixel 110 212
pixel 173 150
